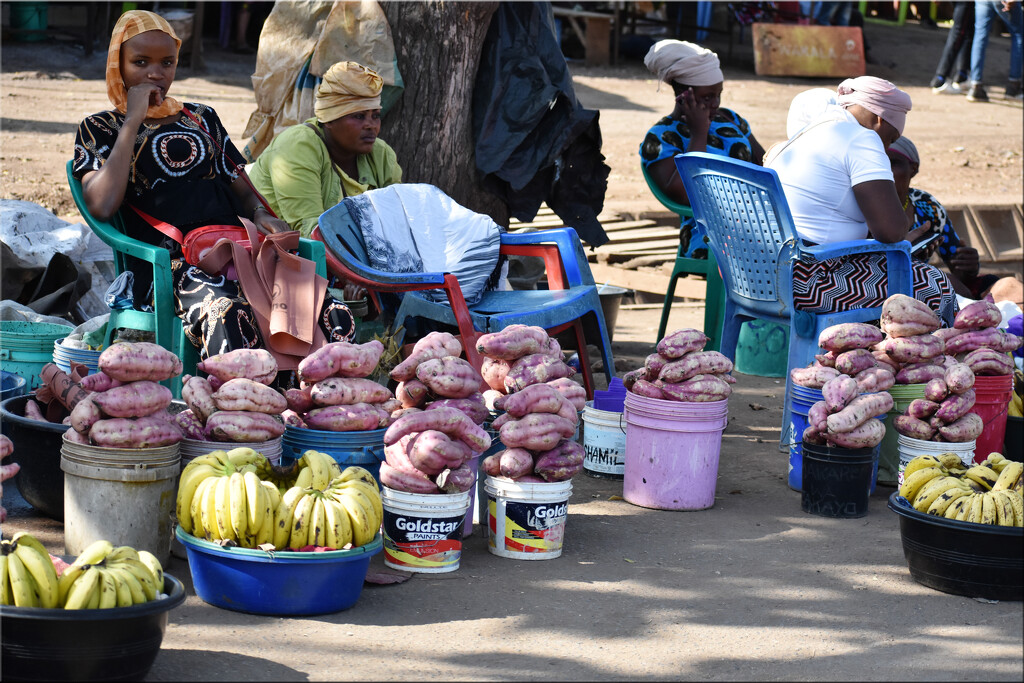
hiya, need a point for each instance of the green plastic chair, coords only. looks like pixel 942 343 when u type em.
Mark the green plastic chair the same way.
pixel 162 322
pixel 714 298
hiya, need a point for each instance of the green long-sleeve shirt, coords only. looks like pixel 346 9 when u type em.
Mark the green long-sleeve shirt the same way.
pixel 295 175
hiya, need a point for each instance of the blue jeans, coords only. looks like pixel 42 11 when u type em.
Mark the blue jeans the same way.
pixel 984 14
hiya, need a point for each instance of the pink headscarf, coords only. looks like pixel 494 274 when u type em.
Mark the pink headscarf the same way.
pixel 878 96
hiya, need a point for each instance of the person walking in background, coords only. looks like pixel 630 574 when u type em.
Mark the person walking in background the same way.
pixel 957 51
pixel 985 13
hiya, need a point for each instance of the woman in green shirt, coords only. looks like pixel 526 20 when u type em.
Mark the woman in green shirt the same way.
pixel 310 167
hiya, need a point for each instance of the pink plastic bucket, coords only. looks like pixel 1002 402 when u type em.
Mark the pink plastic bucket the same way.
pixel 992 405
pixel 672 450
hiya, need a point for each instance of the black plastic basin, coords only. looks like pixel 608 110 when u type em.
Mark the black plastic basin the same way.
pixel 963 558
pixel 117 644
pixel 37 449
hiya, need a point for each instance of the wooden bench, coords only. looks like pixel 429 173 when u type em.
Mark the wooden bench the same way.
pixel 596 35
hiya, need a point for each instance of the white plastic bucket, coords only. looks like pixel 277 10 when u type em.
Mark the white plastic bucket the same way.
pixel 423 531
pixel 604 442
pixel 526 521
pixel 910 448
pixel 193 448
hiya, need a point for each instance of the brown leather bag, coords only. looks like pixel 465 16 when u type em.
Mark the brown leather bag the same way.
pixel 283 289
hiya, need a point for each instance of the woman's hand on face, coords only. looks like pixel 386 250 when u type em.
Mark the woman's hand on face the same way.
pixel 694 111
pixel 141 97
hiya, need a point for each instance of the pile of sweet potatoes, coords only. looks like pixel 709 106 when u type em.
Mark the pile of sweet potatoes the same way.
pixel 944 412
pixel 435 376
pixel 537 428
pixel 429 451
pixel 234 402
pixel 335 393
pixel 976 340
pixel 848 351
pixel 518 356
pixel 681 370
pixel 847 416
pixel 126 407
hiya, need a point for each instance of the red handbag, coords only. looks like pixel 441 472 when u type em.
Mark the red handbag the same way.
pixel 199 241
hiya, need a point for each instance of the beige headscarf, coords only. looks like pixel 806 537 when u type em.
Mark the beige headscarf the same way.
pixel 131 24
pixel 347 87
pixel 878 96
pixel 682 62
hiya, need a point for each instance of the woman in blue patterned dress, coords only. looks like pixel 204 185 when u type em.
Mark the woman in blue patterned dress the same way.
pixel 696 124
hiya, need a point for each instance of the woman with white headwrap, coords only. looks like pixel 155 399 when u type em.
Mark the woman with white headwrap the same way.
pixel 839 186
pixel 696 124
pixel 310 167
pixel 174 162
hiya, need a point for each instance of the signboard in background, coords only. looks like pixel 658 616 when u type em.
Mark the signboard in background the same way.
pixel 795 50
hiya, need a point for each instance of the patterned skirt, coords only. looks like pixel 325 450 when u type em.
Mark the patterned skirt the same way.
pixel 860 281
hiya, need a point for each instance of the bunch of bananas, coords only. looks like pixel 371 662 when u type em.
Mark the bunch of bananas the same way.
pixel 27 575
pixel 238 497
pixel 103 576
pixel 987 493
pixel 1017 400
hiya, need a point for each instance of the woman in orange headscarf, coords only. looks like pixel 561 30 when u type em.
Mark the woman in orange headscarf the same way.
pixel 174 163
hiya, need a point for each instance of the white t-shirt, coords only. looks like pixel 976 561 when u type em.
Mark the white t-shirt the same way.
pixel 818 171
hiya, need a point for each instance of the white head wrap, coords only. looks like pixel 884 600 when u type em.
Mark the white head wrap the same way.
pixel 808 106
pixel 878 96
pixel 682 62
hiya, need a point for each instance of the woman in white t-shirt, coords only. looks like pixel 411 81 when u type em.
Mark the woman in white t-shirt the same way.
pixel 839 185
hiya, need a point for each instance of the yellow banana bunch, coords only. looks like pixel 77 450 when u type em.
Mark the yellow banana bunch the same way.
pixel 1016 406
pixel 986 493
pixel 27 575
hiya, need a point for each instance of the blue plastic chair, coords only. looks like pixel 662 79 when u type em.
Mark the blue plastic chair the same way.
pixel 714 295
pixel 750 228
pixel 571 298
pixel 167 328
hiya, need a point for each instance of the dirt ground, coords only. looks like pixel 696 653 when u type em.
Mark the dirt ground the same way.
pixel 751 589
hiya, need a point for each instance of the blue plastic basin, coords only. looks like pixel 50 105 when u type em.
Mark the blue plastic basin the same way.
pixel 280 583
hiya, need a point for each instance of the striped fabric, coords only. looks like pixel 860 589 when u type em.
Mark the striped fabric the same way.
pixel 860 281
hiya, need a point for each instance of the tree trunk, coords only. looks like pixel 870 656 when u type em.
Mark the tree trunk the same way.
pixel 431 127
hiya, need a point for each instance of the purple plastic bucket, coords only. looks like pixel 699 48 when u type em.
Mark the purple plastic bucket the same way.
pixel 672 450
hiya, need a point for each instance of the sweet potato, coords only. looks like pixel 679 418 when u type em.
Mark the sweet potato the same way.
pixel 959 378
pixel 357 417
pixel 561 463
pixel 874 379
pixel 257 365
pixel 400 480
pixel 536 431
pixel 915 349
pixel 513 342
pixel 813 435
pixel 977 315
pixel 956 406
pixel 988 338
pixel 813 376
pixel 299 400
pixel 528 479
pixel 341 359
pixel 198 396
pixel 473 406
pixel 450 377
pixel 412 393
pixel 817 415
pixel 434 345
pixel 654 363
pixel 500 420
pixel 190 425
pixel 73 436
pixel 448 420
pixel 989 362
pixel 827 359
pixel 946 361
pixel 644 388
pixel 141 432
pixel 34 411
pixel 293 419
pixel 335 391
pixel 936 390
pixel 858 411
pixel 967 428
pixel 135 361
pixel 901 313
pixel 553 349
pixel 535 368
pixel 1010 342
pixel 854 361
pixel 432 452
pixel 243 427
pixel 696 363
pixel 456 480
pixel 867 435
pixel 849 336
pixel 491 465
pixel 919 374
pixel 839 391
pixel 922 408
pixel 572 390
pixel 99 381
pixel 85 414
pixel 515 462
pixel 884 361
pixel 243 394
pixel 633 375
pixel 494 370
pixel 908 425
pixel 947 333
pixel 397 454
pixel 536 398
pixel 681 342
pixel 699 388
